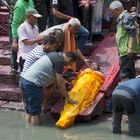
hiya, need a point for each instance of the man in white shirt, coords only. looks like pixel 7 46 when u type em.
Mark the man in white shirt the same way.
pixel 28 36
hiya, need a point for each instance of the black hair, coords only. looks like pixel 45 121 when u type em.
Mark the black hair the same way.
pixel 72 56
pixel 56 36
pixel 59 35
pixel 49 40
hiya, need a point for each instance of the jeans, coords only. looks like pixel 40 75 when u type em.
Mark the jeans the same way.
pixel 83 34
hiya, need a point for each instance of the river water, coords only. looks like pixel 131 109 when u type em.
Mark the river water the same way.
pixel 12 127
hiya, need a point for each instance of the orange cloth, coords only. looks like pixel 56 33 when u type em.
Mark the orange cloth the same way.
pixel 69 44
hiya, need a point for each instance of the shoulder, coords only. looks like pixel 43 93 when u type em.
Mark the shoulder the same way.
pixel 22 26
pixel 126 17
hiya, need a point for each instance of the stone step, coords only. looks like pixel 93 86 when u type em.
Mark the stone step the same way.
pixel 10 92
pixel 18 106
pixel 4 50
pixel 9 87
pixel 4 57
pixel 6 77
pixel 4 23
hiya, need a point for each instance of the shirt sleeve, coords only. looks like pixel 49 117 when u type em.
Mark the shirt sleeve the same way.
pixel 17 20
pixel 55 4
pixel 59 67
pixel 22 33
pixel 129 25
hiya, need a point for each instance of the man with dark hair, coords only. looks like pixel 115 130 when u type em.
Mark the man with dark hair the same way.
pixel 44 73
pixel 126 100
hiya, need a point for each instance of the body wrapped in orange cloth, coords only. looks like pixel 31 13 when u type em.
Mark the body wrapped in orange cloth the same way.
pixel 86 87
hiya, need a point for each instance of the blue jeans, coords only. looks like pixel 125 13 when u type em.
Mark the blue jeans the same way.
pixel 83 34
pixel 33 97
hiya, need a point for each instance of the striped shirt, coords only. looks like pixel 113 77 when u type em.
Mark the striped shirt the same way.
pixel 35 54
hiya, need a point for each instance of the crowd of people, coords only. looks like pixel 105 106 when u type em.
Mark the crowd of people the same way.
pixel 40 53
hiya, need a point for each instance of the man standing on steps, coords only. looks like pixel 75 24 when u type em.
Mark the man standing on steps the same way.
pixel 18 18
pixel 127 40
pixel 62 11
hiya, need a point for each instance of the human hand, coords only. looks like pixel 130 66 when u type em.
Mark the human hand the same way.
pixel 87 62
pixel 40 39
pixel 15 46
pixel 138 76
pixel 70 101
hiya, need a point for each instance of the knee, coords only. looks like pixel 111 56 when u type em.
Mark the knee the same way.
pixel 83 31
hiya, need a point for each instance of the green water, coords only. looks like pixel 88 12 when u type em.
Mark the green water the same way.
pixel 12 127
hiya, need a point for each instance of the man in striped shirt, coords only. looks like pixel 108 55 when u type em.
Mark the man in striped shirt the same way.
pixel 53 42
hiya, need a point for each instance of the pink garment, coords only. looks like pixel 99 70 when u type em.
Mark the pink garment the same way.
pixel 84 2
pixel 26 31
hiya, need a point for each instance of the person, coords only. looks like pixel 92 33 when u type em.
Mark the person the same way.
pixel 62 11
pixel 42 8
pixel 126 38
pixel 43 73
pixel 69 29
pixel 86 7
pixel 28 35
pixel 20 7
pixel 126 100
pixel 52 42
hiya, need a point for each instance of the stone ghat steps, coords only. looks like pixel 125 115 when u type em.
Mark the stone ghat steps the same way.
pixel 4 57
pixel 10 92
pixel 4 17
pixel 18 106
pixel 9 87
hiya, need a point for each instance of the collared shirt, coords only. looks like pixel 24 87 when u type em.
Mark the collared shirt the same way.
pixel 26 31
pixel 125 29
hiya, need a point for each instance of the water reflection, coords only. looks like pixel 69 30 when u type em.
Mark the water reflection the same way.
pixel 12 127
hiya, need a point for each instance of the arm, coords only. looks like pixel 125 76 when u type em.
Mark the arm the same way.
pixel 131 29
pixel 56 12
pixel 61 86
pixel 32 41
pixel 59 14
pixel 81 56
pixel 24 37
pixel 18 19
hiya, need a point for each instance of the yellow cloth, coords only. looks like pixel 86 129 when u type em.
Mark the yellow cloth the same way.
pixel 86 87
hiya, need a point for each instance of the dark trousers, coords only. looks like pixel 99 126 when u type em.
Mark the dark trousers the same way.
pixel 42 21
pixel 14 64
pixel 86 19
pixel 127 67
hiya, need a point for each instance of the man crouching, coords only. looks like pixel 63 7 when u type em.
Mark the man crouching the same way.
pixel 44 73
